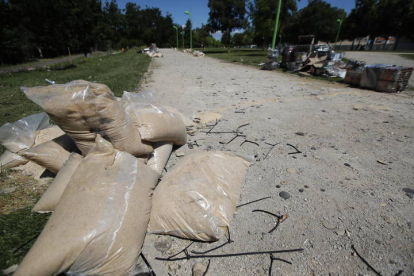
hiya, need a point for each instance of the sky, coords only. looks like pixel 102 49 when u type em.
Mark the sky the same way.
pixel 200 9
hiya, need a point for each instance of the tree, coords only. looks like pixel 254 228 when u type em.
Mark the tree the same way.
pixel 263 16
pixel 317 18
pixel 227 15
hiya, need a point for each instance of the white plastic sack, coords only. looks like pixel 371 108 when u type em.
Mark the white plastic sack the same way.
pixel 197 198
pixel 159 158
pixel 10 160
pixel 20 135
pixel 50 199
pixel 84 109
pixel 99 224
pixel 155 123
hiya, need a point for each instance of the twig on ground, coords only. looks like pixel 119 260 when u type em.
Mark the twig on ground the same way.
pixel 21 246
pixel 217 247
pixel 148 264
pixel 273 258
pixel 297 151
pixel 232 139
pixel 208 266
pixel 240 112
pixel 248 141
pixel 242 126
pixel 280 219
pixel 273 145
pixel 229 255
pixel 217 121
pixel 182 251
pixel 247 203
pixel 364 261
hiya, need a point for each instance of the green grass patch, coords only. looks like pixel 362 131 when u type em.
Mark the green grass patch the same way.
pixel 17 234
pixel 120 72
pixel 407 56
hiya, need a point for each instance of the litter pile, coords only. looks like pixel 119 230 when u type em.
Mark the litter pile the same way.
pixel 194 53
pixel 108 158
pixel 320 60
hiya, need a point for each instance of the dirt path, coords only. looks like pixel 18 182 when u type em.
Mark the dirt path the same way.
pixel 375 57
pixel 39 64
pixel 345 186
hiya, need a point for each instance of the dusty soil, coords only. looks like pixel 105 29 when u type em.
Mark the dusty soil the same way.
pixel 346 185
pixel 381 57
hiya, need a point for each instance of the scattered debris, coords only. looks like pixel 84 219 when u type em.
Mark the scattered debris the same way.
pixel 289 170
pixel 247 203
pixel 284 195
pixel 328 225
pixel 297 151
pixel 364 261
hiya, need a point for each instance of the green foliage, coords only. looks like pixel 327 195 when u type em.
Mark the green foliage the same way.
pixel 226 15
pixel 16 229
pixel 48 28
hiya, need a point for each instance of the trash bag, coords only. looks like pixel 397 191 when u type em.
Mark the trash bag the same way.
pixel 197 198
pixel 99 224
pixel 21 134
pixel 84 109
pixel 155 124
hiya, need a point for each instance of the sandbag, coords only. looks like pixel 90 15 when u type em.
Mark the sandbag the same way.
pixel 52 154
pixel 51 197
pixel 10 160
pixel 83 110
pixel 47 134
pixel 155 124
pixel 197 198
pixel 187 121
pixel 160 156
pixel 99 224
pixel 21 134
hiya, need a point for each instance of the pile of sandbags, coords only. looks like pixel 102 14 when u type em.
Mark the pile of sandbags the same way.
pixel 102 196
pixel 198 54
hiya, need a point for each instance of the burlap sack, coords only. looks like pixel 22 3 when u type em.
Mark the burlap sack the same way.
pixel 83 110
pixel 52 154
pixel 99 225
pixel 10 160
pixel 197 198
pixel 160 156
pixel 51 197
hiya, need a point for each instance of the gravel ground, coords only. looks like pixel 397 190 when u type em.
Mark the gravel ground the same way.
pixel 381 57
pixel 345 187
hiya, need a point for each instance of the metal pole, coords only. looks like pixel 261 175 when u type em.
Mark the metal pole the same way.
pixel 176 30
pixel 276 24
pixel 337 35
pixel 182 33
pixel 191 30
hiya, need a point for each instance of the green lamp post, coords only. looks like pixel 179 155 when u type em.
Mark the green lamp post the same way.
pixel 182 33
pixel 276 24
pixel 176 31
pixel 191 28
pixel 339 28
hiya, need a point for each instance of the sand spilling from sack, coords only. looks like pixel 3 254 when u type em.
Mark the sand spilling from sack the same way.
pixel 206 117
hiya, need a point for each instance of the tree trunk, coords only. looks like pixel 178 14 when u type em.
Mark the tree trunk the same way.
pixel 396 43
pixel 352 46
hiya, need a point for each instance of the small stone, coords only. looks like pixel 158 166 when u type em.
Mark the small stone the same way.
pixel 301 190
pixel 340 231
pixel 290 170
pixel 6 191
pixel 306 186
pixel 323 190
pixel 27 173
pixel 300 133
pixel 347 164
pixel 323 110
pixel 383 162
pixel 284 195
pixel 283 182
pixel 328 225
pixel 277 186
pixel 313 148
pixel 199 269
pixel 383 204
pixel 317 157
